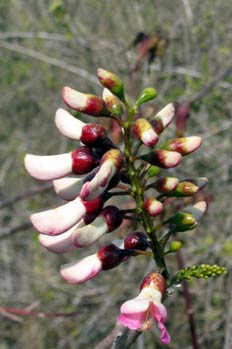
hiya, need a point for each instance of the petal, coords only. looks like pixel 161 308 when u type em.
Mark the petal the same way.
pixel 159 313
pixel 90 233
pixel 68 125
pixel 68 188
pixel 61 243
pixel 135 305
pixel 56 221
pixel 49 167
pixel 133 321
pixel 99 183
pixel 81 271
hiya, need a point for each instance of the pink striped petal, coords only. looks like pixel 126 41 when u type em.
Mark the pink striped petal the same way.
pixel 81 271
pixel 90 233
pixel 99 183
pixel 68 188
pixel 68 125
pixel 60 243
pixel 49 167
pixel 56 221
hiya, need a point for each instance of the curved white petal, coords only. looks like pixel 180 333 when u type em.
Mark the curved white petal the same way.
pixel 48 167
pixel 197 210
pixel 81 271
pixel 68 188
pixel 68 125
pixel 56 221
pixel 60 243
pixel 93 189
pixel 166 114
pixel 90 233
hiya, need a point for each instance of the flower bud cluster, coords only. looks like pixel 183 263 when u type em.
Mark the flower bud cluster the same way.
pixel 98 170
pixel 204 271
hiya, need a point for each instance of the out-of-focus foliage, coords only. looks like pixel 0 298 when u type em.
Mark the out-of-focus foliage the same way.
pixel 47 44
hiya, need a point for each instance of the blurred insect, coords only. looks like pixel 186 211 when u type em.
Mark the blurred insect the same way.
pixel 150 46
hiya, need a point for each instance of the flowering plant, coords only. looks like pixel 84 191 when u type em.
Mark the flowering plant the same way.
pixel 99 170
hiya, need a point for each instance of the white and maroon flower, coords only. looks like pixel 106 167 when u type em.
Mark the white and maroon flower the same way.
pixel 58 220
pixel 85 103
pixel 163 118
pixel 46 168
pixel 184 146
pixel 110 164
pixel 108 257
pixel 71 127
pixel 108 220
pixel 139 313
pixel 162 158
pixel 145 132
pixel 153 207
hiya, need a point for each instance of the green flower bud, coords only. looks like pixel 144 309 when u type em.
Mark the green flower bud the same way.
pixel 175 246
pixel 146 95
pixel 152 172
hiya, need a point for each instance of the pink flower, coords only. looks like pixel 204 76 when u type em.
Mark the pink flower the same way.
pixel 140 312
pixel 108 257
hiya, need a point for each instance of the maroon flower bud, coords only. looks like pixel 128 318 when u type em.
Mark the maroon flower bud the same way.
pixel 111 82
pixel 162 158
pixel 92 134
pixel 166 185
pixel 112 216
pixel 111 256
pixel 82 160
pixel 153 207
pixel 136 241
pixel 184 146
pixel 144 132
pixel 85 103
pixel 156 281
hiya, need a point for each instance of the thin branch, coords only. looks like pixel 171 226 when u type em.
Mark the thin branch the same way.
pixel 25 312
pixel 33 35
pixel 49 60
pixel 188 305
pixel 25 195
pixel 14 228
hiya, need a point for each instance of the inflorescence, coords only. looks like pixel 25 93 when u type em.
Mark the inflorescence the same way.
pixel 98 170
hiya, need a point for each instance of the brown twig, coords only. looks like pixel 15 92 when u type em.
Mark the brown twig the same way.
pixel 188 304
pixel 25 312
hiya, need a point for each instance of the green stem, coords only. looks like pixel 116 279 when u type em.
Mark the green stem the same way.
pixel 137 194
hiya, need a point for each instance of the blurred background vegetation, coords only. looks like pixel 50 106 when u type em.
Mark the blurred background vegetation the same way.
pixel 45 45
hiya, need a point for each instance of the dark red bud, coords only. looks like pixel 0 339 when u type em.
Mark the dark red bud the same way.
pixel 111 256
pixel 156 281
pixel 82 159
pixel 92 134
pixel 112 216
pixel 136 240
